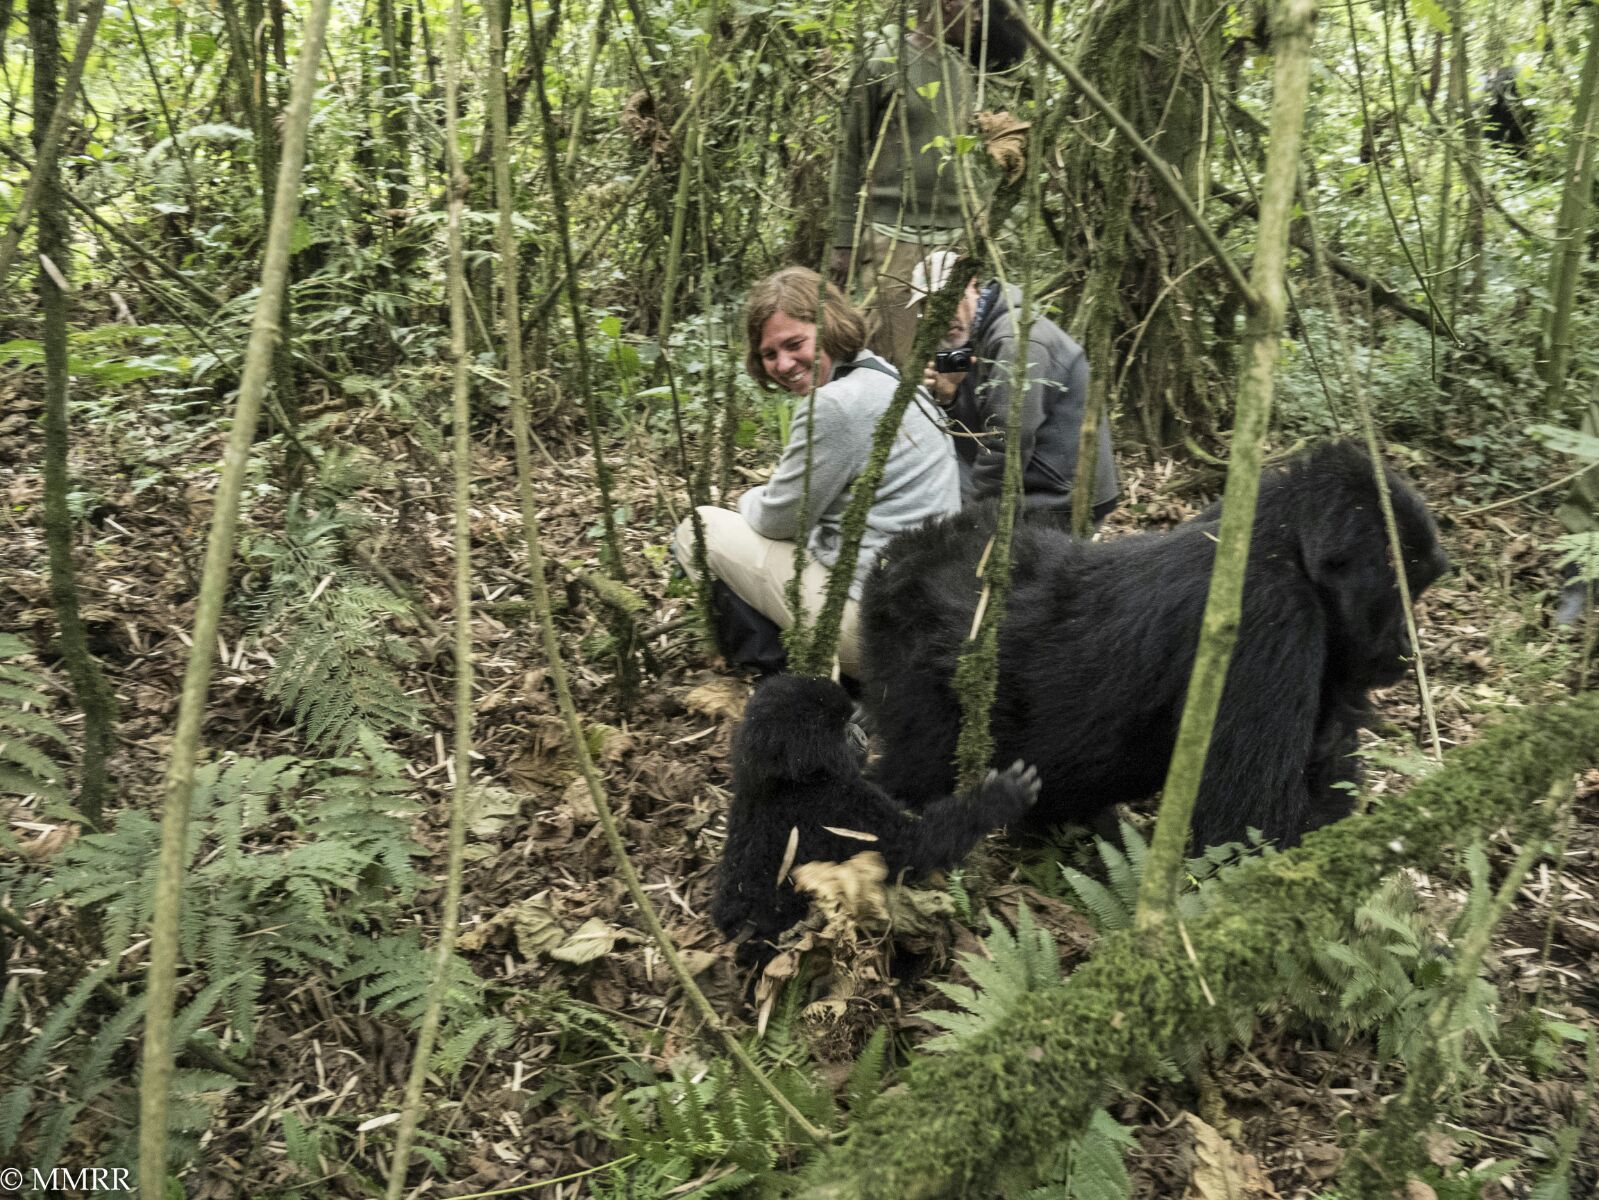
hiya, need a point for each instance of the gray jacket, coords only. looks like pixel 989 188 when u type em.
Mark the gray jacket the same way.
pixel 1052 413
pixel 920 480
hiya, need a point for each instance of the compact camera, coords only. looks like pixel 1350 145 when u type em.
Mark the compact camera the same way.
pixel 954 362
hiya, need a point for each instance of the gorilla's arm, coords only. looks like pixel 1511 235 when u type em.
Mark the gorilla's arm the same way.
pixel 1266 727
pixel 949 827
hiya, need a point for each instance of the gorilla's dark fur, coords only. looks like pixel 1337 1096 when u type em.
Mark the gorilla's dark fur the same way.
pixel 1099 641
pixel 794 766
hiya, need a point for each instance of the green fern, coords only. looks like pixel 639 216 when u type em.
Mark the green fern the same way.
pixel 336 666
pixel 682 1130
pixel 1093 1166
pixel 394 973
pixel 1112 907
pixel 1390 972
pixel 1015 966
pixel 25 770
pixel 866 1076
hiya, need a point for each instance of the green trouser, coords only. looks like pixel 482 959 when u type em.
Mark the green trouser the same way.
pixel 1579 513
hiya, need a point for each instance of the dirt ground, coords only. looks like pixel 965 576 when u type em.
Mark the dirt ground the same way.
pixel 1287 1099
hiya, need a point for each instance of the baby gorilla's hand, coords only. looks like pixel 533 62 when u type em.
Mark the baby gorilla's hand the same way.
pixel 1008 794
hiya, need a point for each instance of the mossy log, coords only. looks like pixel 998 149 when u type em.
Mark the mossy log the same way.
pixel 1000 1108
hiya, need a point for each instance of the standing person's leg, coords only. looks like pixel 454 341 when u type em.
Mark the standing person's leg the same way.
pixel 886 285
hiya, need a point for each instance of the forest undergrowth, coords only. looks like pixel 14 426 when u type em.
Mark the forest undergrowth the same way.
pixel 564 1023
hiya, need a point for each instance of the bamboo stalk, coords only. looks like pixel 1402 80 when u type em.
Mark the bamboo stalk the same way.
pixel 461 417
pixel 1291 37
pixel 179 785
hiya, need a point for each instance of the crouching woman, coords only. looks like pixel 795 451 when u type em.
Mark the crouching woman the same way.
pixel 800 346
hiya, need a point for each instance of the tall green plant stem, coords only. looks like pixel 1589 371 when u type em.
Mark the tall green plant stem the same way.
pixel 179 785
pixel 1291 37
pixel 977 670
pixel 461 416
pixel 1566 266
pixel 538 44
pixel 88 684
pixel 500 133
pixel 49 146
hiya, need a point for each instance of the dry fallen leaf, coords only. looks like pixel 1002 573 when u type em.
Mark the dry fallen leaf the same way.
pixel 1222 1171
pixel 720 698
pixel 851 889
pixel 593 939
pixel 532 921
pixel 489 808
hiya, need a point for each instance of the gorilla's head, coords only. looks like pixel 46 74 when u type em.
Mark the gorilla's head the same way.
pixel 1345 552
pixel 794 729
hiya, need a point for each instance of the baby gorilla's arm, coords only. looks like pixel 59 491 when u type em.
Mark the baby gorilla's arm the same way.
pixel 951 826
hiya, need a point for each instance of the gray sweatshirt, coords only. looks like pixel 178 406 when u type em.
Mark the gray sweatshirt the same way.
pixel 920 481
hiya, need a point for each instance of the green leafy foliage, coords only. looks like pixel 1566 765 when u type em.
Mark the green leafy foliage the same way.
pixel 719 1128
pixel 25 769
pixel 335 669
pixel 1093 1165
pixel 1016 964
pixel 394 973
pixel 285 855
pixel 1393 970
pixel 1111 905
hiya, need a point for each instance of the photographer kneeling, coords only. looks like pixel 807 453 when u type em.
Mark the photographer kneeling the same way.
pixel 970 378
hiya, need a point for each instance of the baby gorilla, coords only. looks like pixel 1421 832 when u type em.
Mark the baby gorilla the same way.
pixel 795 766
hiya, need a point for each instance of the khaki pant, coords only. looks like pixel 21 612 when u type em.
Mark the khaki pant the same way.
pixel 883 267
pixel 758 570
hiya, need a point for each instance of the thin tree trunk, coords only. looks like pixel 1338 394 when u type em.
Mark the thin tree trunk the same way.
pixel 1575 202
pixel 563 233
pixel 455 267
pixel 179 787
pixel 1291 40
pixel 88 684
pixel 49 146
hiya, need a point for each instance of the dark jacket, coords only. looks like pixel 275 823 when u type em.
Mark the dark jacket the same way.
pixel 1052 413
pixel 906 105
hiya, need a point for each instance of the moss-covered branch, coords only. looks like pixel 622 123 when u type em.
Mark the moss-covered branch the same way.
pixel 1008 1100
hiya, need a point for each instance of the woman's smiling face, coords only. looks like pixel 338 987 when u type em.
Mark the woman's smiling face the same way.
pixel 789 354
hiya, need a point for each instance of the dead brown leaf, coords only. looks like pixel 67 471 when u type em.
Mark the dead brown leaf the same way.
pixel 1222 1171
pixel 720 699
pixel 851 890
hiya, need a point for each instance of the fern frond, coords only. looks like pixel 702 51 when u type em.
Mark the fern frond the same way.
pixel 866 1076
pixel 1016 966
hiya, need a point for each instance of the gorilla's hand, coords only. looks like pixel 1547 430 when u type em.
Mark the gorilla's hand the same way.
pixel 1007 795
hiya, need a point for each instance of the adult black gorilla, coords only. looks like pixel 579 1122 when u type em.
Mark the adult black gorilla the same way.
pixel 797 782
pixel 1099 642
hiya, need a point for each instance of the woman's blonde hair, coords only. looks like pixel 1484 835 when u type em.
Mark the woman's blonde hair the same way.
pixel 793 291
